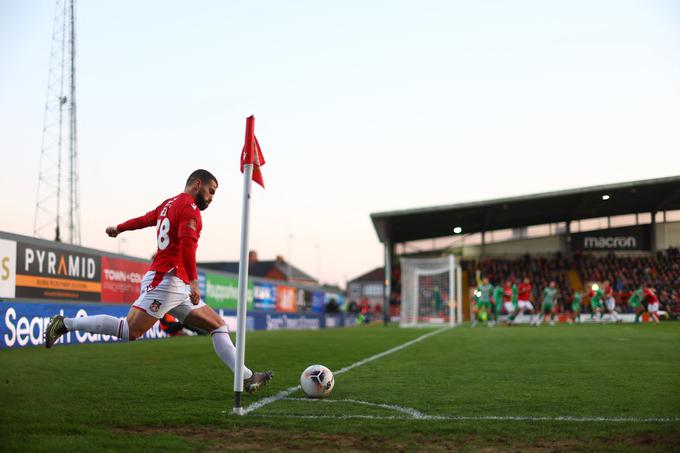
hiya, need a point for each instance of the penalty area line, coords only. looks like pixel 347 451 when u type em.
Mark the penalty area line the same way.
pixel 289 391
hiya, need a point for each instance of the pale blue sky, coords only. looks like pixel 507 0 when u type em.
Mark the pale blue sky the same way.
pixel 361 107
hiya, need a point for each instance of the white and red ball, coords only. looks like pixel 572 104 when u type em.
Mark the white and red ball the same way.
pixel 317 381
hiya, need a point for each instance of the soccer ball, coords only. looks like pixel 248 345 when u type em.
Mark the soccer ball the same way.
pixel 317 381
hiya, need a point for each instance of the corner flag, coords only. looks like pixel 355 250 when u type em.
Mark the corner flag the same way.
pixel 252 154
pixel 251 160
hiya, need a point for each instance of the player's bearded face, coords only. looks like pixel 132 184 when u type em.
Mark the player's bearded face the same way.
pixel 200 202
pixel 205 195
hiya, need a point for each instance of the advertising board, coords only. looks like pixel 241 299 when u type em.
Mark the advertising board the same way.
pixel 48 272
pixel 286 299
pixel 222 292
pixel 318 302
pixel 626 238
pixel 121 279
pixel 202 285
pixel 264 295
pixel 23 324
pixel 8 266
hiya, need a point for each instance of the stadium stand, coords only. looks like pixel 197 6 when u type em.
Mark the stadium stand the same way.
pixel 626 274
pixel 627 233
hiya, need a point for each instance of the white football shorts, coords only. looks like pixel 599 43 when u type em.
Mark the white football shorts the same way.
pixel 653 307
pixel 525 304
pixel 509 307
pixel 169 295
pixel 609 304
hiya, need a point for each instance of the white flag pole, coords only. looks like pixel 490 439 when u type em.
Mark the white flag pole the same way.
pixel 242 292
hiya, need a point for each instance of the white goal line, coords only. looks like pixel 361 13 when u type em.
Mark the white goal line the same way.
pixel 289 391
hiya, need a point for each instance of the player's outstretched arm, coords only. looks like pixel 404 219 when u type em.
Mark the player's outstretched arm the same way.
pixel 147 220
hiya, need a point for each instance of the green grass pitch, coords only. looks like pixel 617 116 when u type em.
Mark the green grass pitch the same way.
pixel 616 387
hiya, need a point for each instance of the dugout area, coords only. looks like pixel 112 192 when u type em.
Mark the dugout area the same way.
pixel 637 217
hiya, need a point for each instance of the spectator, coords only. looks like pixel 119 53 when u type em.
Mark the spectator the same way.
pixel 332 306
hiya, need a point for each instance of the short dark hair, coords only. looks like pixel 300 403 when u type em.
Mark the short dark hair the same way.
pixel 203 175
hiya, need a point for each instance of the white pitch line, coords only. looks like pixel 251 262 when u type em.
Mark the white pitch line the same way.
pixel 414 414
pixel 405 410
pixel 289 391
pixel 484 418
pixel 270 399
pixel 389 351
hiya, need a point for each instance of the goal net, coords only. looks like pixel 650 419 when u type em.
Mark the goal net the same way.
pixel 430 290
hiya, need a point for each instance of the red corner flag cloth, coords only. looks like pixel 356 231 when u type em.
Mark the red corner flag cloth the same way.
pixel 252 154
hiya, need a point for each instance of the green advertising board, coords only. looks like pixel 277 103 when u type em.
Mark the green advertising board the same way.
pixel 222 292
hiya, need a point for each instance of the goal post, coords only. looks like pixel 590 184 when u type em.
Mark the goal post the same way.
pixel 430 293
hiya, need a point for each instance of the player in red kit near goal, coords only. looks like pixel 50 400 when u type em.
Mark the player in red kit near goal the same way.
pixel 171 284
pixel 649 295
pixel 524 300
pixel 609 301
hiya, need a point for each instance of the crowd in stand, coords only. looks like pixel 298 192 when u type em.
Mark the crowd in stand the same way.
pixel 626 274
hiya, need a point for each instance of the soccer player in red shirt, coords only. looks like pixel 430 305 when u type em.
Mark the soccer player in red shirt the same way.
pixel 171 284
pixel 609 301
pixel 652 302
pixel 524 299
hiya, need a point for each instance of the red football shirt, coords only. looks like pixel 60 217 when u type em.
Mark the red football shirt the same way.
pixel 178 226
pixel 650 296
pixel 524 291
pixel 507 293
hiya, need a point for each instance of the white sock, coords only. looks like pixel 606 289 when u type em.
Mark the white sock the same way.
pixel 104 324
pixel 225 349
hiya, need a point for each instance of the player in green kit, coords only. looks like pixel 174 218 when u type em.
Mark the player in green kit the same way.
pixel 483 299
pixel 635 302
pixel 576 307
pixel 497 301
pixel 549 299
pixel 595 303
